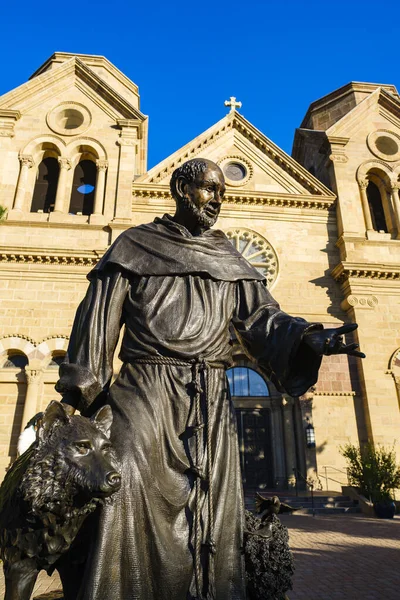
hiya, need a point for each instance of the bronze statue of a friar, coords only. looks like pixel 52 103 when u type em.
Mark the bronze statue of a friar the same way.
pixel 175 528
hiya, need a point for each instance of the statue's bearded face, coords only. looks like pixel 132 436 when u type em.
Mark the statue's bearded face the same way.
pixel 203 197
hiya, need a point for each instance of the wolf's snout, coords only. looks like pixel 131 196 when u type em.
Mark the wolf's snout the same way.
pixel 114 480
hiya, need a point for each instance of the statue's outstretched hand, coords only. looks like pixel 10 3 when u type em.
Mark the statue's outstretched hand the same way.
pixel 330 341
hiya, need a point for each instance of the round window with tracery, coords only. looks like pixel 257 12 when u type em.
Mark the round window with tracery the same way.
pixel 257 251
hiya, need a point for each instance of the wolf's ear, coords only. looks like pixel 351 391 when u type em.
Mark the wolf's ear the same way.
pixel 103 419
pixel 54 414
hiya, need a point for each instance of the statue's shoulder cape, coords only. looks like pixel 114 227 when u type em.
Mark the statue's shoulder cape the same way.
pixel 166 248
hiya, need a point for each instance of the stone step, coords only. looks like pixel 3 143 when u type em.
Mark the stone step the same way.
pixel 338 510
pixel 322 504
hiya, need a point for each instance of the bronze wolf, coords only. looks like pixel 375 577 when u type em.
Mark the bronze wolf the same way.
pixel 49 491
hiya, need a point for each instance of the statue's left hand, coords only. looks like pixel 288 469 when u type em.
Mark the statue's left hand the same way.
pixel 330 341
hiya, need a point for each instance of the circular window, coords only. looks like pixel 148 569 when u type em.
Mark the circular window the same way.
pixel 257 251
pixel 236 169
pixel 384 144
pixel 69 118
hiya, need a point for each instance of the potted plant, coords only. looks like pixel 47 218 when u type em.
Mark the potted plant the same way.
pixel 374 471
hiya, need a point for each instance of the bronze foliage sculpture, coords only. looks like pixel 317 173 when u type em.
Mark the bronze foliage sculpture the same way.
pixel 269 563
pixel 50 490
pixel 175 530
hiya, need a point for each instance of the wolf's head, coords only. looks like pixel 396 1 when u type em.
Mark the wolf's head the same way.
pixel 74 461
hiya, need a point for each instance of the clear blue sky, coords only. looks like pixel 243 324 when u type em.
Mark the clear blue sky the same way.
pixel 187 57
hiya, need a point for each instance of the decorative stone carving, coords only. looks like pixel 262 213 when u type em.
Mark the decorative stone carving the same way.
pixel 338 158
pixel 102 165
pixel 245 198
pixel 257 250
pixel 343 272
pixel 26 160
pixel 359 301
pixel 349 393
pixel 33 375
pixel 50 259
pixel 64 163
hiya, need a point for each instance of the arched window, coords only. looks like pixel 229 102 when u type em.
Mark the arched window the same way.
pixel 44 194
pixel 56 361
pixel 15 361
pixel 84 182
pixel 376 207
pixel 246 382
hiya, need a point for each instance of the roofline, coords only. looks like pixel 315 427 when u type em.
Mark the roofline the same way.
pixel 357 86
pixel 89 58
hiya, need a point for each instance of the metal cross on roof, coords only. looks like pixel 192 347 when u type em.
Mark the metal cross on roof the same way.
pixel 233 104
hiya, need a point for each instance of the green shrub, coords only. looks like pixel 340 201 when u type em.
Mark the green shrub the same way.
pixel 372 469
pixel 3 213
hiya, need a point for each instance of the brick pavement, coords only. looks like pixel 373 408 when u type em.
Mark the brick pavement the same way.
pixel 346 557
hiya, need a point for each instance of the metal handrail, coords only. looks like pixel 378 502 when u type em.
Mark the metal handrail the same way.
pixel 308 482
pixel 331 478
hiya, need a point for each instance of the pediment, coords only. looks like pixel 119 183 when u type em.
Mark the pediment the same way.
pixel 269 170
pixel 55 82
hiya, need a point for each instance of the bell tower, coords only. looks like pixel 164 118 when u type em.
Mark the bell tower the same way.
pixel 350 139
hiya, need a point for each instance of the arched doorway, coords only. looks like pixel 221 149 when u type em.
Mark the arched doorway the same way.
pixel 250 394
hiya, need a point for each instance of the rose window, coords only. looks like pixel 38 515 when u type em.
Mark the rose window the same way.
pixel 257 251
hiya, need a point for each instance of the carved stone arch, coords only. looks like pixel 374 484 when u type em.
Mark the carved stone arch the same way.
pixel 394 369
pixel 37 147
pixel 52 346
pixel 396 172
pixel 85 147
pixel 18 343
pixel 370 166
pixel 378 209
pixel 394 363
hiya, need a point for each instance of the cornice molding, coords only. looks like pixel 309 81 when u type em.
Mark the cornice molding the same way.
pixel 243 197
pixel 350 393
pixel 344 271
pixel 49 257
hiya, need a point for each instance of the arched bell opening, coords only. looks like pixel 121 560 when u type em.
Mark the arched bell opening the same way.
pixel 83 188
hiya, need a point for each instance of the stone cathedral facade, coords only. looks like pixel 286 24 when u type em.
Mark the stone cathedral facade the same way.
pixel 323 226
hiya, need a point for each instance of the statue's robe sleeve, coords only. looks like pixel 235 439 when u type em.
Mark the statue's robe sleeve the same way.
pixel 88 369
pixel 275 339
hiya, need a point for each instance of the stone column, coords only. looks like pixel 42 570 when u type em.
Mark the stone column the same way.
pixel 27 162
pixel 298 424
pixel 33 381
pixel 277 440
pixel 101 166
pixel 65 165
pixel 394 190
pixel 363 184
pixel 128 143
pixel 288 432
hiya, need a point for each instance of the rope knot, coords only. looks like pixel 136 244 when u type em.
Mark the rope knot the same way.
pixel 212 546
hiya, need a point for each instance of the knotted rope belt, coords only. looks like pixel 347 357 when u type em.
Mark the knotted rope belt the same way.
pixel 199 366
